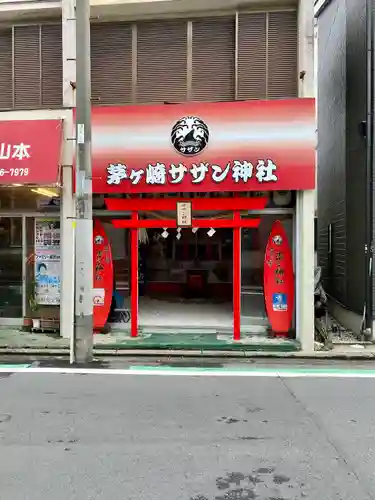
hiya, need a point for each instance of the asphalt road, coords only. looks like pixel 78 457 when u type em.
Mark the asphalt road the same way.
pixel 116 437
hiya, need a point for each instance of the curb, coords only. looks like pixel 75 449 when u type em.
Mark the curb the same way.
pixel 195 353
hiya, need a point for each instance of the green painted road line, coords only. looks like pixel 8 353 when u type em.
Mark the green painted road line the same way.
pixel 241 369
pixel 12 367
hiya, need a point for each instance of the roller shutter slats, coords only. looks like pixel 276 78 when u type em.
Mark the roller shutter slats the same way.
pixel 282 55
pixel 162 62
pixel 111 63
pixel 252 56
pixel 27 91
pixel 37 66
pixel 213 59
pixel 51 66
pixel 266 68
pixel 6 76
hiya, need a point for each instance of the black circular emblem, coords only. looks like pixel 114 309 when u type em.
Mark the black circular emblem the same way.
pixel 190 135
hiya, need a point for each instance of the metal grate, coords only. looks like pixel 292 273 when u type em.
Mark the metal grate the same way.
pixel 27 69
pixel 6 77
pixel 52 71
pixel 162 62
pixel 252 56
pixel 111 63
pixel 282 55
pixel 213 71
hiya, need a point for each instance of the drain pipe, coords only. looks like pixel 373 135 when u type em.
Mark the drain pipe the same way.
pixel 369 135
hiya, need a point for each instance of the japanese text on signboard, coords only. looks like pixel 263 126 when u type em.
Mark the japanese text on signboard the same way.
pixel 279 265
pixel 14 152
pixel 184 218
pixel 161 174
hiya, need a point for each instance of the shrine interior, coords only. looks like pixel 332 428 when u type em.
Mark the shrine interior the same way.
pixel 186 277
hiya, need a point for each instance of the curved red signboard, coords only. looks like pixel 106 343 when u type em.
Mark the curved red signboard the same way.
pixel 279 280
pixel 103 276
pixel 201 147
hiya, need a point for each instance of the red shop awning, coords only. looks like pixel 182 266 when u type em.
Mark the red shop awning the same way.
pixel 201 147
pixel 30 152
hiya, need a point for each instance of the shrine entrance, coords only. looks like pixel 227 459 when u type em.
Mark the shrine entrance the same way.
pixel 186 273
pixel 246 170
pixel 195 277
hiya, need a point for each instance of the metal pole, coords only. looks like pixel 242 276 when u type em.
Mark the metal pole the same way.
pixel 83 344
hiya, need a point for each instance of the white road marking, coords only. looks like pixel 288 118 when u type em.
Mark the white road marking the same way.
pixel 191 372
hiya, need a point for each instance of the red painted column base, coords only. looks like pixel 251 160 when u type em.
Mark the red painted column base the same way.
pixel 134 277
pixel 237 278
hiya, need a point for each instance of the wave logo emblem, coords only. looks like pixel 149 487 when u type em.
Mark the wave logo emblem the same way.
pixel 190 135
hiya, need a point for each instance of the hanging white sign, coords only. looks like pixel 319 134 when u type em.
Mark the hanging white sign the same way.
pixel 184 215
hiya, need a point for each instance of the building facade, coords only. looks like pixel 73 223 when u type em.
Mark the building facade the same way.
pixel 345 158
pixel 142 53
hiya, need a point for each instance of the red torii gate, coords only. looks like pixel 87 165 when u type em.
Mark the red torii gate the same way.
pixel 235 205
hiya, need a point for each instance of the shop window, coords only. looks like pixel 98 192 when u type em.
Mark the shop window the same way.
pixel 227 245
pixel 43 268
pixel 283 199
pixel 10 232
pixel 32 199
pixel 251 239
pixel 11 267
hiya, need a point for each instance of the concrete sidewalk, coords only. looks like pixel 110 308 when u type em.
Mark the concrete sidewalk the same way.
pixel 210 345
pixel 120 341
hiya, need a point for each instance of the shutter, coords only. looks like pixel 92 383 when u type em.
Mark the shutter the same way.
pixel 162 61
pixel 6 75
pixel 252 56
pixel 27 69
pixel 282 55
pixel 213 59
pixel 52 66
pixel 111 63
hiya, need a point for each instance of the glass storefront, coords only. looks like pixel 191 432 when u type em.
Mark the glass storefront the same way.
pixel 177 271
pixel 27 284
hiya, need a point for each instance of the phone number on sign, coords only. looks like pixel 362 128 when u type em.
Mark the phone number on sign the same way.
pixel 14 172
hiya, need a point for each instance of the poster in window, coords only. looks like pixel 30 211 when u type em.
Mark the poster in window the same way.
pixel 47 262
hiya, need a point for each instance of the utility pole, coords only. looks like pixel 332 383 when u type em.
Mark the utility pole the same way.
pixel 83 327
